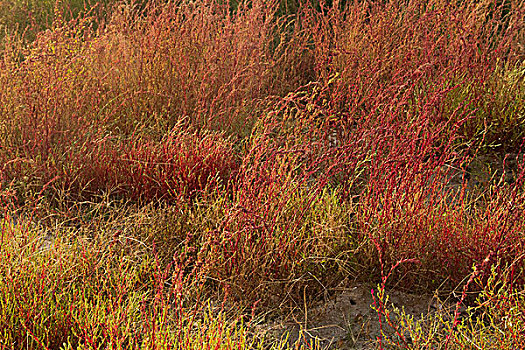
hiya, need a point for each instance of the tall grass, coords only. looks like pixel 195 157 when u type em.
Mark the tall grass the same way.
pixel 267 152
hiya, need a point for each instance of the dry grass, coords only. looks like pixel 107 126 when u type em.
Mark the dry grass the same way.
pixel 192 164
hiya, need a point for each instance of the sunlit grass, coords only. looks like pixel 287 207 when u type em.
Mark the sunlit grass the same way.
pixel 171 170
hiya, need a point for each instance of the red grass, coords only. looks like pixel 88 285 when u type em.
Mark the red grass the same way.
pixel 332 135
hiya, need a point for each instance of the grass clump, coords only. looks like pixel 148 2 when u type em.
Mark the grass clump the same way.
pixel 71 292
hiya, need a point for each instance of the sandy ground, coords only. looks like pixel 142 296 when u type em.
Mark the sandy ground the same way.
pixel 347 320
